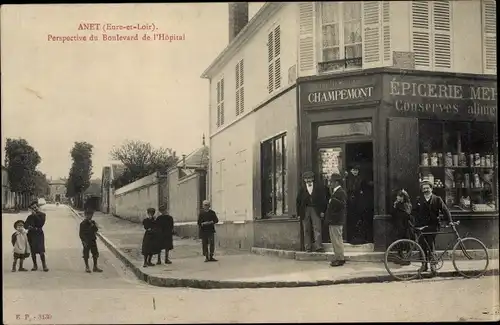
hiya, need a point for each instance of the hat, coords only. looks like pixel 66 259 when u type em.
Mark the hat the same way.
pixel 335 177
pixel 356 167
pixel 308 174
pixel 426 182
pixel 18 222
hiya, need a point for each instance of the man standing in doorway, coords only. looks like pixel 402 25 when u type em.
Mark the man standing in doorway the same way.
pixel 355 186
pixel 312 200
pixel 335 218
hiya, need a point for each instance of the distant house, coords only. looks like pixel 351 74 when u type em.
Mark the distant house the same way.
pixel 57 190
pixel 109 174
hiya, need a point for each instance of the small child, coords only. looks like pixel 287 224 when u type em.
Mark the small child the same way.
pixel 88 230
pixel 21 246
pixel 150 240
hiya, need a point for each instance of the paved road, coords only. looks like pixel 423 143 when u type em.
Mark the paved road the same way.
pixel 71 296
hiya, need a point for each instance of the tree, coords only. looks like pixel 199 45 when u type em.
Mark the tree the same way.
pixel 141 159
pixel 80 172
pixel 21 160
pixel 42 187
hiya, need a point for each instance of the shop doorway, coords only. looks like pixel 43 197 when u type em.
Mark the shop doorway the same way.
pixel 360 190
pixel 341 158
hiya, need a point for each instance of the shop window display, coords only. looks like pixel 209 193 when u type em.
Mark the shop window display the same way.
pixel 459 158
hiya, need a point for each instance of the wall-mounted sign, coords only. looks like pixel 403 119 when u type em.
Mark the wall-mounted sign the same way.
pixel 403 60
pixel 339 91
pixel 442 98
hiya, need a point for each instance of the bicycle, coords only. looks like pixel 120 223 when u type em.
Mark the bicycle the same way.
pixel 405 249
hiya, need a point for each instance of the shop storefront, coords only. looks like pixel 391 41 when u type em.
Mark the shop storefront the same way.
pixel 398 128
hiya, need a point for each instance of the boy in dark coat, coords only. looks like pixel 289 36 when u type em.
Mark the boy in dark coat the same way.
pixel 336 217
pixel 34 224
pixel 206 222
pixel 165 225
pixel 88 231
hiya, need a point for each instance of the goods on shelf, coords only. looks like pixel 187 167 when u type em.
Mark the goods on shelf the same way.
pixel 438 183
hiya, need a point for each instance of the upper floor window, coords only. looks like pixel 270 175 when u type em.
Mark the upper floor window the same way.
pixel 341 30
pixel 274 61
pixel 220 102
pixel 240 90
pixel 489 14
pixel 431 34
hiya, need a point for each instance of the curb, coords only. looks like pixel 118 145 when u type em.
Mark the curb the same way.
pixel 214 284
pixel 327 256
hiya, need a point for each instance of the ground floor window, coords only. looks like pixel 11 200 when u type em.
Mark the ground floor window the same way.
pixel 274 177
pixel 460 158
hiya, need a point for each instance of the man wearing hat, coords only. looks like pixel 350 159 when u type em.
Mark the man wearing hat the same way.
pixel 36 238
pixel 312 200
pixel 335 217
pixel 427 210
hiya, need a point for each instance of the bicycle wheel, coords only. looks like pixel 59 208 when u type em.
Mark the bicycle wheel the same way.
pixel 470 257
pixel 403 259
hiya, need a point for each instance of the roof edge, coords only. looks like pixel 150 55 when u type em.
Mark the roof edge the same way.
pixel 268 9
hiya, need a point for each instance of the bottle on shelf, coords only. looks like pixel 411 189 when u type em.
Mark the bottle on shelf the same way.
pixel 448 160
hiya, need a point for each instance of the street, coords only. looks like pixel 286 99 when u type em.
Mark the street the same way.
pixel 68 295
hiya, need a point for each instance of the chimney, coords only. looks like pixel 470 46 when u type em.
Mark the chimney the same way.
pixel 238 18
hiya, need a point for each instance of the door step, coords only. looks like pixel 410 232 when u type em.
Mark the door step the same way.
pixel 365 248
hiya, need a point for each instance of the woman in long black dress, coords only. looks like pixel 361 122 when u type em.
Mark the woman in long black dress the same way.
pixel 165 224
pixel 150 239
pixel 34 224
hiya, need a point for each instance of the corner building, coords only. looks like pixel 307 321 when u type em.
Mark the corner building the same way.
pixel 403 89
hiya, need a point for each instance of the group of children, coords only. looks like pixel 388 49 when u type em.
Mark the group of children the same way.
pixel 157 237
pixel 159 234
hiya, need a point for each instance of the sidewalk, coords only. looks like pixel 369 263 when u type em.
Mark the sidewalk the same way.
pixel 235 268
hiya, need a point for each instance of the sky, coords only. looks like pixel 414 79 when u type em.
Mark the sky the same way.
pixel 106 92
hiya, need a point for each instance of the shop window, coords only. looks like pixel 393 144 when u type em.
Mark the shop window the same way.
pixel 344 130
pixel 274 174
pixel 459 159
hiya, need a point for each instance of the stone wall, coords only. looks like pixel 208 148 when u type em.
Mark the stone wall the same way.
pixel 131 201
pixel 184 199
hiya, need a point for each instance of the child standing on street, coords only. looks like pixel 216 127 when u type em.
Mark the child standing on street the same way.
pixel 21 246
pixel 206 221
pixel 88 231
pixel 150 243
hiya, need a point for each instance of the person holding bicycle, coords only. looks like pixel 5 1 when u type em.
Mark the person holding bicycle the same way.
pixel 426 211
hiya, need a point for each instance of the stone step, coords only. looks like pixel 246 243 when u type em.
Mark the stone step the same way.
pixel 367 248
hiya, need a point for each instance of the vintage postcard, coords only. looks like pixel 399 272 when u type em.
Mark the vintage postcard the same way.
pixel 249 162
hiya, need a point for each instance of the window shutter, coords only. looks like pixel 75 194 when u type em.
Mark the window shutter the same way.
pixel 222 113
pixel 271 77
pixel 237 84
pixel 242 99
pixel 441 17
pixel 421 33
pixel 277 41
pixel 371 33
pixel 386 31
pixel 218 104
pixel 489 36
pixel 270 56
pixel 277 73
pixel 306 36
pixel 242 84
pixel 242 76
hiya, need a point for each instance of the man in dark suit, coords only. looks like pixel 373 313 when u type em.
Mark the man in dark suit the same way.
pixel 336 217
pixel 427 210
pixel 312 200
